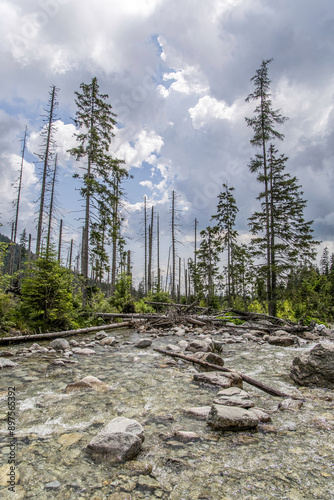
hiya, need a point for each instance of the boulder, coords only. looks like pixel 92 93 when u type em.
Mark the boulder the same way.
pixel 200 345
pixel 233 396
pixel 200 412
pixel 315 368
pixel 224 380
pixel 108 341
pixel 290 404
pixel 141 344
pixel 186 436
pixel 261 415
pixel 60 344
pixel 229 418
pixel 209 357
pixel 7 363
pixel 88 382
pixel 280 340
pixel 101 335
pixel 119 440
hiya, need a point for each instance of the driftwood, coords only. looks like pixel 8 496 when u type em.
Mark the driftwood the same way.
pixel 130 315
pixel 67 333
pixel 245 378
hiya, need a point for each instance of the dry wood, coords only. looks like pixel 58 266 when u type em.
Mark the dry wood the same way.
pixel 67 333
pixel 194 321
pixel 245 378
pixel 131 315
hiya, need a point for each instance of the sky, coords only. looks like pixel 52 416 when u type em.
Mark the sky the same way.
pixel 177 74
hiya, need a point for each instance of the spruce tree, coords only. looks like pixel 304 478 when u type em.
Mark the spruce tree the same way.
pixel 225 217
pixel 207 269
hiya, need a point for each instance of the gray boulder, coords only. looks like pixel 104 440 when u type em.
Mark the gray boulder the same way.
pixel 315 368
pixel 141 344
pixel 60 344
pixel 108 341
pixel 224 380
pixel 200 346
pixel 234 396
pixel 283 341
pixel 119 440
pixel 229 418
pixel 209 357
pixel 101 335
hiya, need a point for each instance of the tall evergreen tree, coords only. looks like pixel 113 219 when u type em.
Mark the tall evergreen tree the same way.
pixel 290 237
pixel 263 125
pixel 207 260
pixel 95 121
pixel 225 217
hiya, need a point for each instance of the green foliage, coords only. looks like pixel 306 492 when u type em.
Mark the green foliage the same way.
pixel 142 307
pixel 47 294
pixel 122 299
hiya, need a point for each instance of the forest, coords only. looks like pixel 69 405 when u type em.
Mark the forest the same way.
pixel 276 273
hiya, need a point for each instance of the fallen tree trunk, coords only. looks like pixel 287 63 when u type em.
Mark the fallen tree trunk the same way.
pixel 67 333
pixel 131 315
pixel 245 378
pixel 194 321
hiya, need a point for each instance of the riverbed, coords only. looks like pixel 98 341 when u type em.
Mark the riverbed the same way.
pixel 289 458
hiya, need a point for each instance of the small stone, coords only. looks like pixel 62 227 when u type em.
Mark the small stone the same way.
pixel 218 378
pixel 281 341
pixel 67 440
pixel 117 446
pixel 138 468
pixel 183 344
pixel 141 344
pixel 186 436
pixel 209 357
pixel 173 348
pixel 60 344
pixel 200 345
pixel 54 485
pixel 261 415
pixel 77 386
pixel 123 424
pixel 7 354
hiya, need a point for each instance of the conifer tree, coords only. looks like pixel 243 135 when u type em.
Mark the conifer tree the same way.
pixel 207 261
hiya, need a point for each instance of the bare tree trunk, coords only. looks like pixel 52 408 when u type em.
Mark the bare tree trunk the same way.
pixel 167 270
pixel 150 250
pixel 71 253
pixel 158 252
pixel 51 207
pixel 60 238
pixel 173 245
pixel 145 235
pixel 46 158
pixel 179 289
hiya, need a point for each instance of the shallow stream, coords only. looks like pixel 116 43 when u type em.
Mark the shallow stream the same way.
pixel 290 458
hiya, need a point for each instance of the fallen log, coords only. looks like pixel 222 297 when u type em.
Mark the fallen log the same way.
pixel 66 333
pixel 130 315
pixel 194 321
pixel 245 378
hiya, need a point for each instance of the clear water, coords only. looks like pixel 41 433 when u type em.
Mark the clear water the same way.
pixel 291 458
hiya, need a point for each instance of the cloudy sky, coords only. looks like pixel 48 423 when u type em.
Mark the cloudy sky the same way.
pixel 177 73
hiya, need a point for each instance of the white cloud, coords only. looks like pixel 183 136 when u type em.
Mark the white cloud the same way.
pixel 209 108
pixel 146 145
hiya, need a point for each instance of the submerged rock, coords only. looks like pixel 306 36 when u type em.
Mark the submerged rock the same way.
pixel 88 382
pixel 224 380
pixel 290 404
pixel 119 440
pixel 229 418
pixel 201 412
pixel 315 368
pixel 186 436
pixel 60 344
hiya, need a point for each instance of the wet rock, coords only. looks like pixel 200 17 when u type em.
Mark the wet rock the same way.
pixel 7 354
pixel 290 404
pixel 218 346
pixel 224 380
pixel 108 341
pixel 186 436
pixel 147 483
pixel 101 335
pixel 141 344
pixel 200 412
pixel 60 344
pixel 73 343
pixel 209 357
pixel 233 397
pixel 85 351
pixel 180 332
pixel 280 341
pixel 77 386
pixel 138 468
pixel 54 485
pixel 7 363
pixel 173 348
pixel 200 346
pixel 315 368
pixel 229 418
pixel 57 362
pixel 261 415
pixel 66 440
pixel 35 347
pixel 119 440
pixel 183 344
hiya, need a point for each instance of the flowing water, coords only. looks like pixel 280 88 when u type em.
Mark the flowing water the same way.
pixel 291 458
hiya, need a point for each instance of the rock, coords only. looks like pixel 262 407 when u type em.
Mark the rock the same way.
pixel 83 351
pixel 7 354
pixel 7 363
pixel 320 328
pixel 141 344
pixel 108 341
pixel 229 418
pixel 118 446
pixel 224 380
pixel 35 346
pixel 261 415
pixel 180 332
pixel 198 411
pixel 137 468
pixel 186 436
pixel 54 485
pixel 173 348
pixel 183 344
pixel 67 440
pixel 101 335
pixel 60 344
pixel 315 368
pixel 209 357
pixel 218 346
pixel 290 404
pixel 123 424
pixel 233 397
pixel 281 341
pixel 77 386
pixel 200 345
